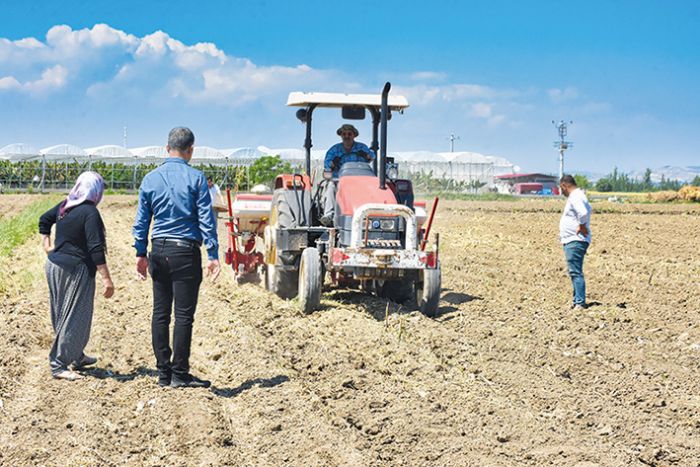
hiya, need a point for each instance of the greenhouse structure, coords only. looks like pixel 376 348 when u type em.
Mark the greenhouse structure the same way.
pixel 24 167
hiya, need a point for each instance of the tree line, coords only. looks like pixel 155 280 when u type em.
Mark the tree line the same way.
pixel 618 181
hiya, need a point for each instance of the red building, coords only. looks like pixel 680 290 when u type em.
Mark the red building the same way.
pixel 527 184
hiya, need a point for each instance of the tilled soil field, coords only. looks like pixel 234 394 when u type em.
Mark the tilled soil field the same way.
pixel 506 374
pixel 14 203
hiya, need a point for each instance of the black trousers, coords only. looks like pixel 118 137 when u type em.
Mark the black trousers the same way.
pixel 176 269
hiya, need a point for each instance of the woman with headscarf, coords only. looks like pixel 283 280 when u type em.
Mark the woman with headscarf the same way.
pixel 78 252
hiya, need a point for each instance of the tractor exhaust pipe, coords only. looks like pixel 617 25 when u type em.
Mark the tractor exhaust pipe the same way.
pixel 382 145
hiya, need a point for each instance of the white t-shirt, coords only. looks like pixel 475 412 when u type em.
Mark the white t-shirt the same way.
pixel 577 211
pixel 216 198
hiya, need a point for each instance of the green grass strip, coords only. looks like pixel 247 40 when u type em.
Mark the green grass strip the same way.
pixel 18 228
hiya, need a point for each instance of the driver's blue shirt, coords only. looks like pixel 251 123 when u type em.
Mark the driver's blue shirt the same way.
pixel 338 150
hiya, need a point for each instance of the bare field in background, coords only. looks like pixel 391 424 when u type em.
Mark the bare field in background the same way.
pixel 505 375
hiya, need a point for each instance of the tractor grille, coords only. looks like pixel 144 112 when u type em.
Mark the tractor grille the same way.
pixel 383 243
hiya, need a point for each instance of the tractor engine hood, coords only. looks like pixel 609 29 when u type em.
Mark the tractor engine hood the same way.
pixel 356 191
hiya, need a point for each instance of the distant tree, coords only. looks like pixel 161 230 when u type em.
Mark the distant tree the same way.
pixel 267 168
pixel 582 181
pixel 604 184
pixel 696 181
pixel 646 181
pixel 475 185
pixel 669 185
pixel 620 181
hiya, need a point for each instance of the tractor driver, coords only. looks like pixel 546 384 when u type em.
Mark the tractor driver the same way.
pixel 348 150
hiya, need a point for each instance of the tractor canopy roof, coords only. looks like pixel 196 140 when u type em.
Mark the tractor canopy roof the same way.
pixel 337 100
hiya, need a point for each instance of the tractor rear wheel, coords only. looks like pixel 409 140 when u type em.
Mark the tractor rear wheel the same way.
pixel 310 280
pixel 281 282
pixel 428 292
pixel 399 291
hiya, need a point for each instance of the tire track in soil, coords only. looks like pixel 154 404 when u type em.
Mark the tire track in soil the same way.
pixel 349 372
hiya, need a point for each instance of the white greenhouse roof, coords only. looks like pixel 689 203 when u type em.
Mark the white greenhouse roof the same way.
pixel 18 148
pixel 110 151
pixel 328 99
pixel 205 152
pixel 244 153
pixel 293 154
pixel 417 156
pixel 64 150
pixel 154 154
pixel 150 151
pixel 466 157
pixel 18 152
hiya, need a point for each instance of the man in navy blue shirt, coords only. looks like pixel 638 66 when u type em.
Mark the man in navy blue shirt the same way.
pixel 348 150
pixel 175 197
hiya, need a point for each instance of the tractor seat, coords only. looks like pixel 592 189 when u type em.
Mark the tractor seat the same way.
pixel 354 169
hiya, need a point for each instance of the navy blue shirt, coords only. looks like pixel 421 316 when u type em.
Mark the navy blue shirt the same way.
pixel 176 197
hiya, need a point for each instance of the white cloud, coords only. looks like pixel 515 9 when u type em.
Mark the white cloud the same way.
pixel 422 94
pixel 485 111
pixel 29 43
pixel 111 74
pixel 9 82
pixel 106 63
pixel 481 109
pixel 111 66
pixel 470 100
pixel 51 78
pixel 558 95
pixel 593 108
pixel 65 41
pixel 428 76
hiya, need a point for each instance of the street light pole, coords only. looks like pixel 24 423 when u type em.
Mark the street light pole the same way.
pixel 452 139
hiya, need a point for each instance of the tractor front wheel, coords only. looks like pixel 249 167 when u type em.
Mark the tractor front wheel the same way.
pixel 280 282
pixel 310 280
pixel 428 292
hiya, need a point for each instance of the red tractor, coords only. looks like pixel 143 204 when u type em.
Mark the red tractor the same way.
pixel 377 242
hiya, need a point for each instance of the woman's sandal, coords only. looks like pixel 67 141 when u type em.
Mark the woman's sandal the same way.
pixel 68 375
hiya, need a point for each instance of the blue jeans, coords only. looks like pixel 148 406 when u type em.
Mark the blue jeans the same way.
pixel 574 253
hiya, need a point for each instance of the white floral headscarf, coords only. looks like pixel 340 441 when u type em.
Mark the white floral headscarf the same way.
pixel 89 187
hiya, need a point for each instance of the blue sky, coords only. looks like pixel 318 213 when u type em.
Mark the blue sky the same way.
pixel 494 73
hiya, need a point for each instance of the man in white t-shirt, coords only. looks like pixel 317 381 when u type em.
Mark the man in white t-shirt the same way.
pixel 217 199
pixel 575 235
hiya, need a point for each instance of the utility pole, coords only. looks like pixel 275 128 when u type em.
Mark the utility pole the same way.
pixel 452 139
pixel 562 145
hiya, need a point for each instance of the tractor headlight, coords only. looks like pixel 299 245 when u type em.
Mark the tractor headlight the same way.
pixel 392 171
pixel 388 224
pixel 376 224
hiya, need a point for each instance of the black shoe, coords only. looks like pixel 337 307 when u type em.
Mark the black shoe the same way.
pixel 188 381
pixel 164 378
pixel 85 361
